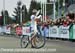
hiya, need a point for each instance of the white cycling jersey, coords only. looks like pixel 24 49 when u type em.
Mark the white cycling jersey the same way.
pixel 33 23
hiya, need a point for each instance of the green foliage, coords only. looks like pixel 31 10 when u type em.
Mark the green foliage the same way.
pixel 61 3
pixel 20 12
pixel 24 13
pixel 49 9
pixel 1 19
pixel 50 6
pixel 7 17
pixel 17 14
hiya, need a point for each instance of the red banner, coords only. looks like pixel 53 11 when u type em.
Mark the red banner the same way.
pixel 18 30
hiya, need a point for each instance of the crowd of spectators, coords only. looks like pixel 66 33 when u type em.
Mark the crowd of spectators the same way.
pixel 65 21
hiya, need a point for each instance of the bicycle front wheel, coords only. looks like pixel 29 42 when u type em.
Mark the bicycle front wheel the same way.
pixel 38 41
pixel 24 41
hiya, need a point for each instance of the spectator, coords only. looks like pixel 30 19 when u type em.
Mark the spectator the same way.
pixel 61 22
pixel 57 22
pixel 48 21
pixel 65 23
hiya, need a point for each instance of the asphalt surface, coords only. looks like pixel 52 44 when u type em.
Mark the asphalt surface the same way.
pixel 51 46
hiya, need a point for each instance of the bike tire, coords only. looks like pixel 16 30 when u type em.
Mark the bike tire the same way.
pixel 24 41
pixel 42 42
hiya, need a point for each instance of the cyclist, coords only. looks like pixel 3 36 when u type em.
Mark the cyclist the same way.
pixel 33 23
pixel 34 30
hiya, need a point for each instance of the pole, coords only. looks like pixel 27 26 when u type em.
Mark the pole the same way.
pixel 41 7
pixel 20 13
pixel 54 9
pixel 58 8
pixel 4 10
pixel 64 6
pixel 20 16
pixel 41 11
pixel 45 11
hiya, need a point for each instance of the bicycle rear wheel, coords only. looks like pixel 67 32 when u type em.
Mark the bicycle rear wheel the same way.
pixel 39 41
pixel 24 41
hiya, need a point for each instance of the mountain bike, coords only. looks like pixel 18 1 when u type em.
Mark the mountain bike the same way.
pixel 27 38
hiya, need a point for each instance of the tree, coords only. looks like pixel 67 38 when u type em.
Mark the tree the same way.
pixel 20 12
pixel 1 20
pixel 61 3
pixel 48 1
pixel 38 6
pixel 7 17
pixel 49 8
pixel 24 13
pixel 32 6
pixel 17 12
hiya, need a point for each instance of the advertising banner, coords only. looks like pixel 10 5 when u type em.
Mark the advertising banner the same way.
pixel 64 32
pixel 0 29
pixel 26 31
pixel 18 30
pixel 53 31
pixel 73 31
pixel 8 29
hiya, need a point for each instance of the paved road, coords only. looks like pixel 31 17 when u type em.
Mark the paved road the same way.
pixel 52 46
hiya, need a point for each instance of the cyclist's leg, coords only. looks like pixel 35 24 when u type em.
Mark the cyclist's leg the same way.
pixel 38 28
pixel 33 40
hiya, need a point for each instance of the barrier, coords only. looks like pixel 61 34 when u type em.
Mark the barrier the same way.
pixel 0 29
pixel 8 30
pixel 18 30
pixel 64 32
pixel 73 31
pixel 26 31
pixel 53 31
pixel 59 32
pixel 4 29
